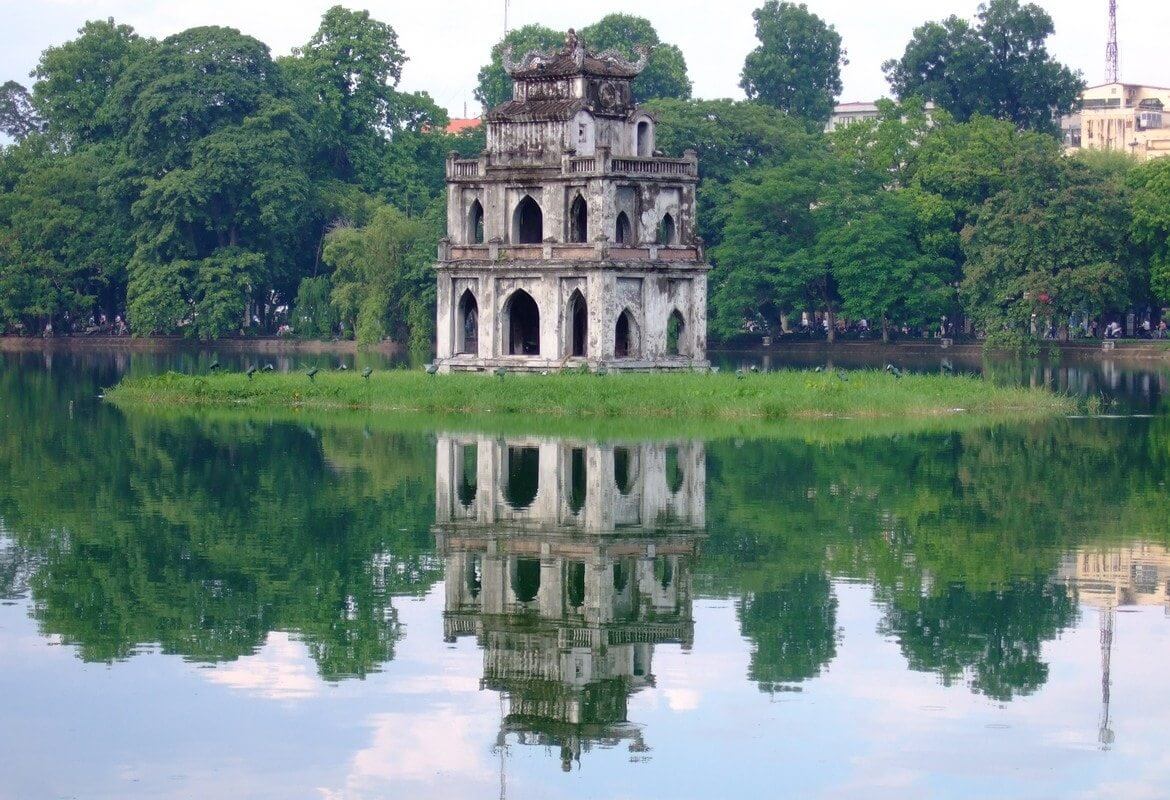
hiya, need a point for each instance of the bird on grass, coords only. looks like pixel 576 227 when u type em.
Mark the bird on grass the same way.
pixel 432 369
pixel 250 371
pixel 312 373
pixel 842 375
pixel 214 366
pixel 601 371
pixel 501 372
pixel 890 368
pixel 819 369
pixel 269 368
pixel 714 370
pixel 739 374
pixel 342 368
pixel 948 367
pixel 755 368
pixel 367 372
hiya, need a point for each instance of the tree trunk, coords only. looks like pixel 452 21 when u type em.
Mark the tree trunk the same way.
pixel 885 331
pixel 831 319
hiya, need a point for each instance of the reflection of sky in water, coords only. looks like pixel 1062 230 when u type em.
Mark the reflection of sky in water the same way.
pixel 267 726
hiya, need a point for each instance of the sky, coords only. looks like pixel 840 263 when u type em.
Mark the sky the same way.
pixel 448 40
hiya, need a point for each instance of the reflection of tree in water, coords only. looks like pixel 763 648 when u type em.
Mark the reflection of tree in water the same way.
pixel 793 631
pixel 991 638
pixel 202 537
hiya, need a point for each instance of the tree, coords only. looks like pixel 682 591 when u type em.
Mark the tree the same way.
pixel 793 631
pixel 348 71
pixel 18 118
pixel 75 80
pixel 884 264
pixel 665 74
pixel 212 234
pixel 731 138
pixel 190 86
pixel 382 283
pixel 797 66
pixel 1048 250
pixel 494 85
pixel 999 67
pixel 1150 193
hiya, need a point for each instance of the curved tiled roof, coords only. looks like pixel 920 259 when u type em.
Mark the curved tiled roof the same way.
pixel 573 60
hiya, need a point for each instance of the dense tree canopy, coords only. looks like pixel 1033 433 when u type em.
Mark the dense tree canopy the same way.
pixel 999 67
pixel 797 66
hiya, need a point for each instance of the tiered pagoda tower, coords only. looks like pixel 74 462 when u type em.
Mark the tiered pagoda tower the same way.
pixel 571 240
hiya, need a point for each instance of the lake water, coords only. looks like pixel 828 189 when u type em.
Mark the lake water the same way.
pixel 344 607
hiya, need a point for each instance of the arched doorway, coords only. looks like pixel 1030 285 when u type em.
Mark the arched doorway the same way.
pixel 676 328
pixel 467 462
pixel 467 335
pixel 528 222
pixel 522 325
pixel 578 320
pixel 625 340
pixel 624 234
pixel 575 584
pixel 625 469
pixel 579 220
pixel 667 232
pixel 475 223
pixel 523 481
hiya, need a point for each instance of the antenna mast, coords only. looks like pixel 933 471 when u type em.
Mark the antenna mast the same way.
pixel 1112 73
pixel 506 4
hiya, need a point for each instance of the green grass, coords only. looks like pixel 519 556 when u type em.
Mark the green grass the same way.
pixel 689 397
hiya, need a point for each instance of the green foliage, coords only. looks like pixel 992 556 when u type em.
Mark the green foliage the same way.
pixel 1049 251
pixel 314 316
pixel 797 66
pixel 18 118
pixel 76 80
pixel 1150 191
pixel 999 67
pixel 381 274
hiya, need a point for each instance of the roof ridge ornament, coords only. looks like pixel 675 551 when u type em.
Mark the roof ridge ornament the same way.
pixel 573 57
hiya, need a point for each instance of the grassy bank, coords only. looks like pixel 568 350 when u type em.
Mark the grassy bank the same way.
pixel 785 395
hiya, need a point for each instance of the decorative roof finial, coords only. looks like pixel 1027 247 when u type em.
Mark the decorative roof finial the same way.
pixel 575 48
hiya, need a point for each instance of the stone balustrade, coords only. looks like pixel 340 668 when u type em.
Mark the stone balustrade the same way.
pixel 599 165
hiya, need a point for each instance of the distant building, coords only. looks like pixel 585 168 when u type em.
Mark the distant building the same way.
pixel 456 126
pixel 848 113
pixel 1120 117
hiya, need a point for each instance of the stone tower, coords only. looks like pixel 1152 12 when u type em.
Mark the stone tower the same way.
pixel 571 241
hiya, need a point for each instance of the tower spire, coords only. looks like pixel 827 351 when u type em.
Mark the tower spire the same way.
pixel 1112 72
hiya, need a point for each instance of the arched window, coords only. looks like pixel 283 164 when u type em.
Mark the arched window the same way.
pixel 625 340
pixel 474 575
pixel 575 583
pixel 674 472
pixel 667 233
pixel 522 325
pixel 579 220
pixel 578 319
pixel 467 336
pixel 644 138
pixel 664 571
pixel 528 222
pixel 578 480
pixel 676 328
pixel 523 480
pixel 526 579
pixel 467 464
pixel 624 233
pixel 625 469
pixel 475 223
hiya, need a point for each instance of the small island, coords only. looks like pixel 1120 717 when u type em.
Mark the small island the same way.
pixel 738 397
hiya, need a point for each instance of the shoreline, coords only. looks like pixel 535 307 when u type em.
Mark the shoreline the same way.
pixel 178 344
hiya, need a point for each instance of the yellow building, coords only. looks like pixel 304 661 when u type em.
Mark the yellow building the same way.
pixel 1122 117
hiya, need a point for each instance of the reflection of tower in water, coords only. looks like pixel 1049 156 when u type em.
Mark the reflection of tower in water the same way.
pixel 1108 579
pixel 568 561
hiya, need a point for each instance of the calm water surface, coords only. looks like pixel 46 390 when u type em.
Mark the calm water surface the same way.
pixel 321 607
